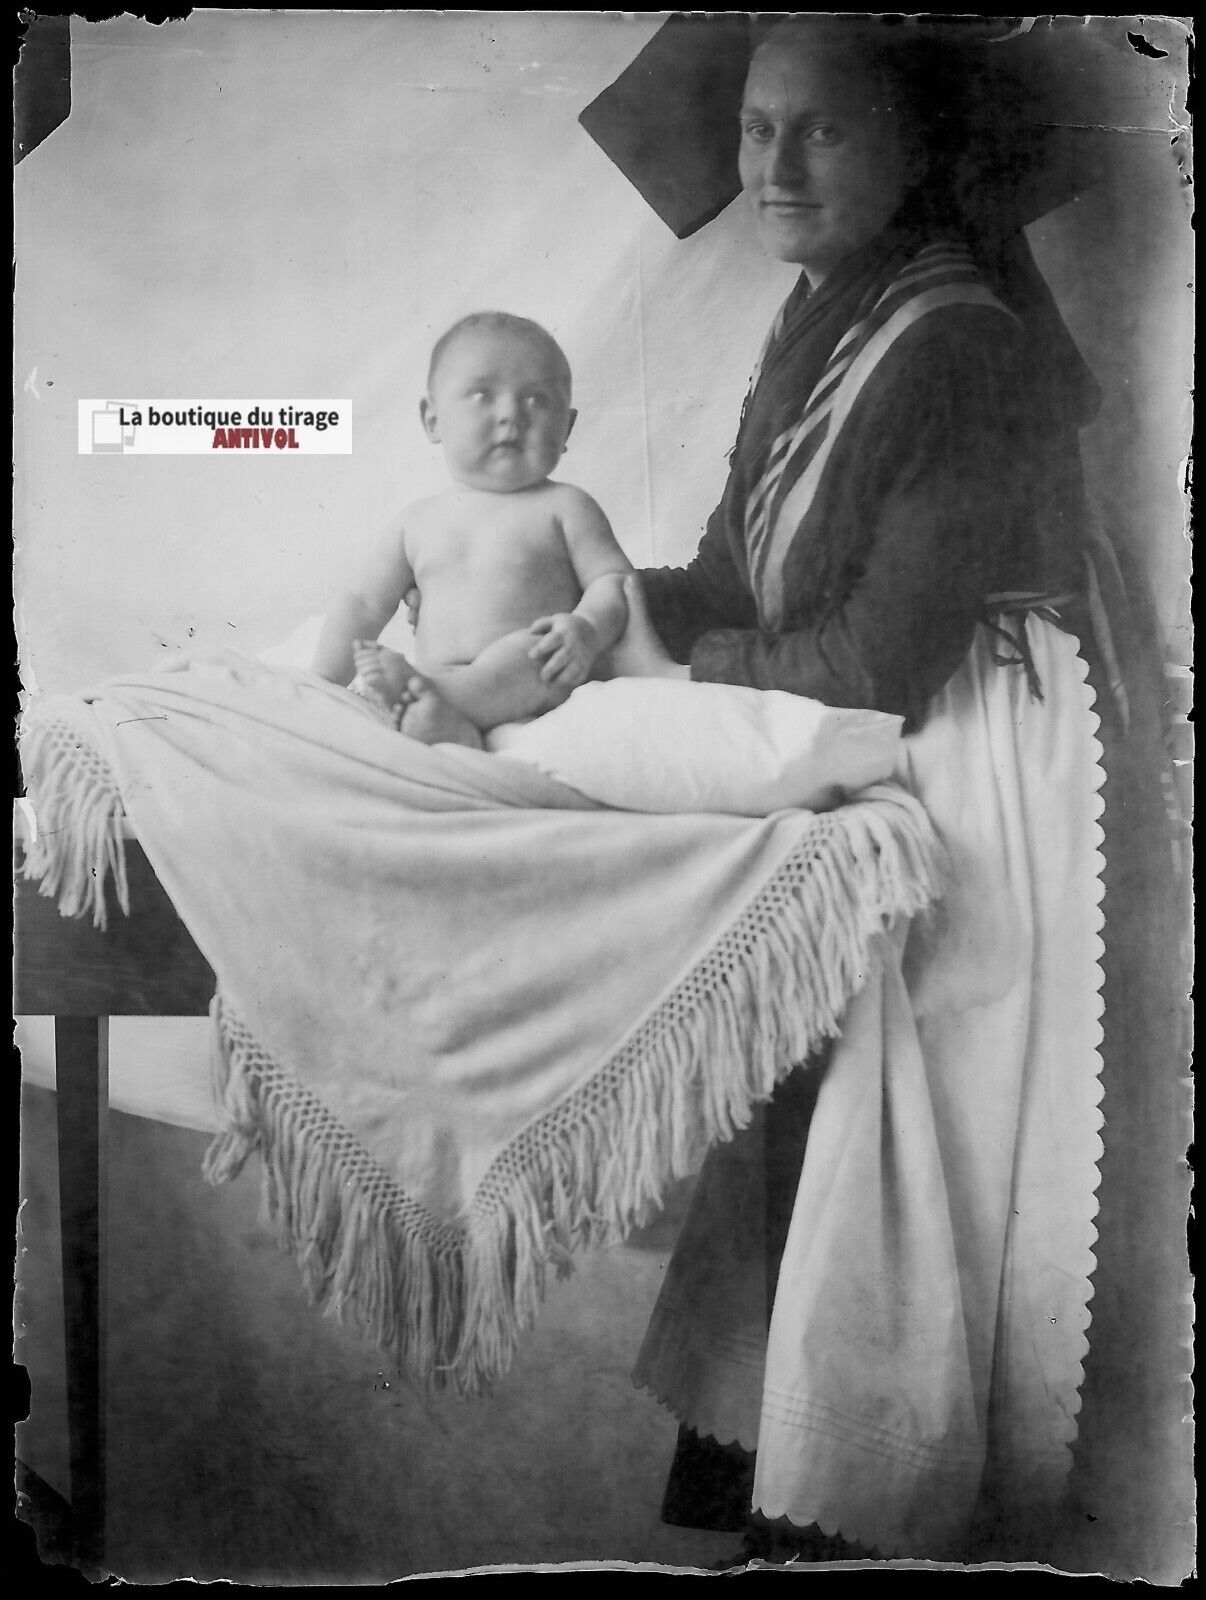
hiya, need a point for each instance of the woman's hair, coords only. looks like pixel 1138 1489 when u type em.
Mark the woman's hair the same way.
pixel 502 322
pixel 970 119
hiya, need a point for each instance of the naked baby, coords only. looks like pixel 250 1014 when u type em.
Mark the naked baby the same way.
pixel 520 578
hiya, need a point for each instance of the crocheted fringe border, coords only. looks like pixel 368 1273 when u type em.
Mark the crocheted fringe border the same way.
pixel 77 845
pixel 367 1254
pixel 449 1304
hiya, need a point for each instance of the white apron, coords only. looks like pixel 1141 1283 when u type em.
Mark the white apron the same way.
pixel 930 1317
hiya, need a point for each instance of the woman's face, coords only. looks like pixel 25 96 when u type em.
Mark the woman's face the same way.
pixel 823 166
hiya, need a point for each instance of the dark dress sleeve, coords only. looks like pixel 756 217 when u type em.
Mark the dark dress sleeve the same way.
pixel 689 604
pixel 926 492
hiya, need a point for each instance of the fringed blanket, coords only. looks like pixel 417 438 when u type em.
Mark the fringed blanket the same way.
pixel 470 1021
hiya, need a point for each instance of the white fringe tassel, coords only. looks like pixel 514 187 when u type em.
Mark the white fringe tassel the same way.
pixel 78 815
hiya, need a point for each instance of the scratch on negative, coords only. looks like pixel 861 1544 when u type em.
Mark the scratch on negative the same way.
pixel 160 717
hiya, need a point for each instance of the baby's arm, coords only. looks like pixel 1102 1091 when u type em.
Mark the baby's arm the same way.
pixel 569 643
pixel 362 610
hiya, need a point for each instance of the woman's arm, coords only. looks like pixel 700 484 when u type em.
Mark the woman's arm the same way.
pixel 712 591
pixel 928 480
pixel 901 634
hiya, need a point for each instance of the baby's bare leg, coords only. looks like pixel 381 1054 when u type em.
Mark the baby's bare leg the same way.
pixel 456 705
pixel 500 685
pixel 429 718
pixel 417 708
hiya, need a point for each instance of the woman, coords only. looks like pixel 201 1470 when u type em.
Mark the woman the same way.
pixel 905 528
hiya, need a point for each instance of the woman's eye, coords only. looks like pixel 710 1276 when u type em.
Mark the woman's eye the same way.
pixel 757 132
pixel 824 134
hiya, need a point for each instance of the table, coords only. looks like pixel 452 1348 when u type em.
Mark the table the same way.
pixel 143 965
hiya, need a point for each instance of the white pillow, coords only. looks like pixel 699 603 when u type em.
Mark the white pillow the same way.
pixel 660 744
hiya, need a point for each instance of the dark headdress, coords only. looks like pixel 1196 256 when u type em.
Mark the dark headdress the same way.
pixel 669 120
pixel 991 98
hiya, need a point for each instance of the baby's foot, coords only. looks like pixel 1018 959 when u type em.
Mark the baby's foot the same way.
pixel 430 719
pixel 383 671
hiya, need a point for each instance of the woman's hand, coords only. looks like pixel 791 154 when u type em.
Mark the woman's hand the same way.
pixel 640 653
pixel 411 601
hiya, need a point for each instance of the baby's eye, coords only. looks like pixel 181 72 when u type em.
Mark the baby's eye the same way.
pixel 536 402
pixel 479 394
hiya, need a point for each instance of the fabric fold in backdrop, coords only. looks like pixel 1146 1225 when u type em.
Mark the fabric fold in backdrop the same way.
pixel 470 1021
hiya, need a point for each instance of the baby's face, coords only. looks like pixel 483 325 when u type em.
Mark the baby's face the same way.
pixel 500 407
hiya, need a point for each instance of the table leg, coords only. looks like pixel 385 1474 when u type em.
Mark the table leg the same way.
pixel 82 1081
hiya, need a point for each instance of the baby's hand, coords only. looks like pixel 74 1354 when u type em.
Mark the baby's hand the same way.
pixel 568 645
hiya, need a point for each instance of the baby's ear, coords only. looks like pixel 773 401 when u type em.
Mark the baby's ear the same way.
pixel 431 423
pixel 569 427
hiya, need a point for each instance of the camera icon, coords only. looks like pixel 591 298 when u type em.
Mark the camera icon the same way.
pixel 108 432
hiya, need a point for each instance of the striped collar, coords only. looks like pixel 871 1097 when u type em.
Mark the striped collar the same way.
pixel 940 274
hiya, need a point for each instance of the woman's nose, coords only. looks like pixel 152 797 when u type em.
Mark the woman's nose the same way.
pixel 785 164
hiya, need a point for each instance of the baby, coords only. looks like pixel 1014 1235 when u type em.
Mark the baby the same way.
pixel 520 578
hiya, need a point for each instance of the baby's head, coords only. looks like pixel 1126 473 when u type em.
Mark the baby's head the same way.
pixel 498 400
